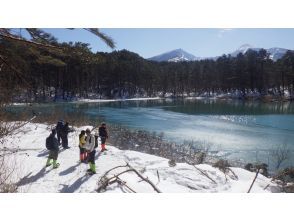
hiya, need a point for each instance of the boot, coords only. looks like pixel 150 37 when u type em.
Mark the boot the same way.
pixel 55 164
pixel 93 168
pixel 48 162
pixel 90 166
pixel 103 147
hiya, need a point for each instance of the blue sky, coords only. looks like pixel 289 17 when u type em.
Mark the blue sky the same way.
pixel 198 41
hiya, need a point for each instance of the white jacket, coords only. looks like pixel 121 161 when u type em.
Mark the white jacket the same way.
pixel 90 143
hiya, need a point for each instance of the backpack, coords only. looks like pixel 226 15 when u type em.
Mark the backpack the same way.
pixel 96 141
pixel 49 142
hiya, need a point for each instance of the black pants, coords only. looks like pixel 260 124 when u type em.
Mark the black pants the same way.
pixel 58 136
pixel 64 141
pixel 91 157
pixel 103 140
pixel 53 154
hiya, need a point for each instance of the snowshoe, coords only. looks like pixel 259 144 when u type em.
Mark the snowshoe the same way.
pixel 49 162
pixel 56 166
pixel 48 165
pixel 90 172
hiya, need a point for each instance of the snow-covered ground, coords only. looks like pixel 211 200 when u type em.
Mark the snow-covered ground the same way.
pixel 82 100
pixel 31 155
pixel 116 100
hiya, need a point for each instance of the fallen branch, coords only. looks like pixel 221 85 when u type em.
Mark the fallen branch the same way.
pixel 158 177
pixel 114 169
pixel 236 177
pixel 201 171
pixel 205 174
pixel 145 179
pixel 123 183
pixel 253 181
pixel 105 181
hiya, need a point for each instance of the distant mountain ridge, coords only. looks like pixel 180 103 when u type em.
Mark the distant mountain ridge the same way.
pixel 179 55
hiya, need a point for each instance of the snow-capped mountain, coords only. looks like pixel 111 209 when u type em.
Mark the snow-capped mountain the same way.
pixel 275 53
pixel 177 55
pixel 243 49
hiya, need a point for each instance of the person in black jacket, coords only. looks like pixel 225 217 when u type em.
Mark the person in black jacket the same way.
pixel 59 127
pixel 54 149
pixel 63 134
pixel 103 134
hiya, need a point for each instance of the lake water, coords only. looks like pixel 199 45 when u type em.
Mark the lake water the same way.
pixel 246 131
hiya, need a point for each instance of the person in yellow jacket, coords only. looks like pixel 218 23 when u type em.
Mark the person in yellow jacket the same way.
pixel 90 148
pixel 82 142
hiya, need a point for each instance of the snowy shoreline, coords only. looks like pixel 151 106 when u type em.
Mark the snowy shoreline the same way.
pixel 259 98
pixel 87 101
pixel 30 155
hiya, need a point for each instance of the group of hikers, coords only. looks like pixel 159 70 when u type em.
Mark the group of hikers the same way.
pixel 88 144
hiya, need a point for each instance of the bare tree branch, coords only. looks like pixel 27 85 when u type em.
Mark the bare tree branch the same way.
pixel 280 154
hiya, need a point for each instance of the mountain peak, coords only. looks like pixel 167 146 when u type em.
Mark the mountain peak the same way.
pixel 245 47
pixel 176 55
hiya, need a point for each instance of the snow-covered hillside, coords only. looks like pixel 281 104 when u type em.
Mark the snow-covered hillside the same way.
pixel 275 53
pixel 30 155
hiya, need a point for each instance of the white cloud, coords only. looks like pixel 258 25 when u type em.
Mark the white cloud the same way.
pixel 221 32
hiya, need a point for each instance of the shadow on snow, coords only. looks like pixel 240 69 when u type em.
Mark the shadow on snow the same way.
pixel 69 170
pixel 73 187
pixel 31 179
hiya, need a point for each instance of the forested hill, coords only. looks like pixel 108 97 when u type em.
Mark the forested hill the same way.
pixel 72 70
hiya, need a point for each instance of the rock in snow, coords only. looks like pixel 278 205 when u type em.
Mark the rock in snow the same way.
pixel 31 155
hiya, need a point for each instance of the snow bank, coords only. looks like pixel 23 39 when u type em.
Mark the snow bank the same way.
pixel 31 154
